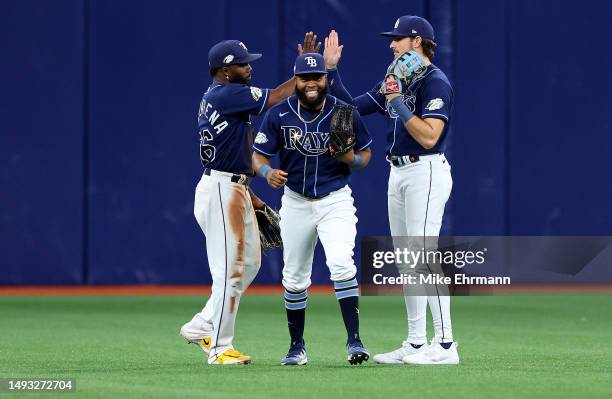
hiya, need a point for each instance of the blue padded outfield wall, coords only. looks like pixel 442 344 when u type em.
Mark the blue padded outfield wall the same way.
pixel 99 151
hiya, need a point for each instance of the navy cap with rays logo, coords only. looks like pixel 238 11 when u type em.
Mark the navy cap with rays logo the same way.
pixel 411 26
pixel 309 63
pixel 229 52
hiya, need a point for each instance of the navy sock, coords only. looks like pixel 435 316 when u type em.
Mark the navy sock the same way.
pixel 347 293
pixel 446 345
pixel 295 305
pixel 417 346
pixel 296 320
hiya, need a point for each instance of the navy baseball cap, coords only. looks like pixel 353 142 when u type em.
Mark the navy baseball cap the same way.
pixel 411 26
pixel 309 63
pixel 229 52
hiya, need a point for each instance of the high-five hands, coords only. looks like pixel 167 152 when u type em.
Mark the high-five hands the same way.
pixel 332 51
pixel 310 44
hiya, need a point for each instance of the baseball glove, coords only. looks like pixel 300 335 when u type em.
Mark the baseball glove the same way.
pixel 405 69
pixel 269 229
pixel 341 130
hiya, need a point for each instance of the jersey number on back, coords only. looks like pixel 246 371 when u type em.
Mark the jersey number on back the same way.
pixel 207 151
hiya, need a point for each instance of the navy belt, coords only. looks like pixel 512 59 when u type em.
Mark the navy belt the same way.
pixel 240 179
pixel 313 198
pixel 397 160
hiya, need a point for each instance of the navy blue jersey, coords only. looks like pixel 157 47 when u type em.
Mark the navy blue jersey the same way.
pixel 224 125
pixel 302 147
pixel 428 97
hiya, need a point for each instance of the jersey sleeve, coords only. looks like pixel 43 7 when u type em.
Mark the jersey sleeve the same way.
pixel 362 136
pixel 242 98
pixel 372 101
pixel 336 87
pixel 437 100
pixel 266 139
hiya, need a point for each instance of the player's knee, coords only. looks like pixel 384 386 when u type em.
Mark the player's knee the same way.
pixel 341 264
pixel 340 272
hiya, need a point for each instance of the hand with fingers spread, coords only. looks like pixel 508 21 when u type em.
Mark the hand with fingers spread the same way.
pixel 276 178
pixel 332 51
pixel 310 44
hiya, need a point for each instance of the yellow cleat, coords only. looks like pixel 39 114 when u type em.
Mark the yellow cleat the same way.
pixel 232 356
pixel 203 343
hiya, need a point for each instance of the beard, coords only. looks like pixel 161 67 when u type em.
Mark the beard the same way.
pixel 240 80
pixel 311 104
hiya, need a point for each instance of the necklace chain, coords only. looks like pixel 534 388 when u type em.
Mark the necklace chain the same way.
pixel 313 119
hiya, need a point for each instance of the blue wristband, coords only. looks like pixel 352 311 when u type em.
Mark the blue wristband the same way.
pixel 263 171
pixel 401 109
pixel 357 162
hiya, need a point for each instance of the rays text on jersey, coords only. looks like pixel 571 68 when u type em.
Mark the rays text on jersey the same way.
pixel 306 143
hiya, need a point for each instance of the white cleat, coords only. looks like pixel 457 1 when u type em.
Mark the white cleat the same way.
pixel 435 354
pixel 396 356
pixel 194 333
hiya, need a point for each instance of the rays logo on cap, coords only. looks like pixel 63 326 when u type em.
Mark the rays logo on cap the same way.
pixel 229 58
pixel 311 62
pixel 396 24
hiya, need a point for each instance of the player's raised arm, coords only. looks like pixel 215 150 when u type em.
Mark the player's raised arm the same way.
pixel 426 129
pixel 365 103
pixel 281 92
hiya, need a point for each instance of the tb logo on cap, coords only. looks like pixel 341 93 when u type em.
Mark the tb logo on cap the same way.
pixel 311 61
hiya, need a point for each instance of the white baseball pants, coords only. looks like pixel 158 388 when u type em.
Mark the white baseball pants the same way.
pixel 331 219
pixel 225 214
pixel 417 195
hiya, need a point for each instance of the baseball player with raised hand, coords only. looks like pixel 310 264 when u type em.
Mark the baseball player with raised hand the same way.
pixel 319 140
pixel 224 204
pixel 417 98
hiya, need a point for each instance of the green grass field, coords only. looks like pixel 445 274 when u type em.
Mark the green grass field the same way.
pixel 122 347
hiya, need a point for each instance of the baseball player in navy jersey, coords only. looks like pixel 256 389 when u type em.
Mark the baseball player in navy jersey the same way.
pixel 420 178
pixel 317 202
pixel 224 204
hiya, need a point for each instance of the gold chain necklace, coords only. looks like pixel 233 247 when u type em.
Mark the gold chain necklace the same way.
pixel 313 119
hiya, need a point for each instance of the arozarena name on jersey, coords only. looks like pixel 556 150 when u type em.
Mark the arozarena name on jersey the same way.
pixel 308 143
pixel 210 113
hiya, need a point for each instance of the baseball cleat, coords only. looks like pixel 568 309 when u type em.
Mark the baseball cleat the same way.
pixel 357 354
pixel 202 341
pixel 396 356
pixel 230 356
pixel 436 354
pixel 296 355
